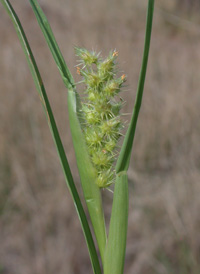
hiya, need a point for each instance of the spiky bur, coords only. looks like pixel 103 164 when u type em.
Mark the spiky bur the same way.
pixel 101 111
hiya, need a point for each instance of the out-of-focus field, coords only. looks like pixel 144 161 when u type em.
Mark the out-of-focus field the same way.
pixel 39 228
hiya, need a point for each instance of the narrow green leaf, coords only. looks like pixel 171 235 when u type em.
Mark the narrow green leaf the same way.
pixel 125 153
pixel 90 189
pixel 51 41
pixel 116 246
pixel 55 134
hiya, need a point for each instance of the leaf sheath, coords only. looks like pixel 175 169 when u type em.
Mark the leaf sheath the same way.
pixel 116 246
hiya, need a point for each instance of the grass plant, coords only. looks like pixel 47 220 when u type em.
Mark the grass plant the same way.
pixel 95 124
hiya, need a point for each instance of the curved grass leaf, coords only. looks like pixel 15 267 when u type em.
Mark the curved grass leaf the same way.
pixel 51 41
pixel 125 153
pixel 55 134
pixel 90 189
pixel 115 249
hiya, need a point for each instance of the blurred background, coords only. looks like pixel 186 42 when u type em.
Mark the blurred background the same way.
pixel 39 229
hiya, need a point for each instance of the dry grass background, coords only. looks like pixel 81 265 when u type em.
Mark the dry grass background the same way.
pixel 39 229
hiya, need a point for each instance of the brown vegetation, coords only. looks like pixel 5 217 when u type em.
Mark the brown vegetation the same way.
pixel 39 228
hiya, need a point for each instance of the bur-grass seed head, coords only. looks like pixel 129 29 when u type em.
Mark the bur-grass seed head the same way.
pixel 101 111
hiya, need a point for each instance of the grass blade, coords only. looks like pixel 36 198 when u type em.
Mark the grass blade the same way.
pixel 51 41
pixel 115 249
pixel 125 153
pixel 90 189
pixel 55 134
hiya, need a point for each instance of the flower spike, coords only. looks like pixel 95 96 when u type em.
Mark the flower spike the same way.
pixel 101 110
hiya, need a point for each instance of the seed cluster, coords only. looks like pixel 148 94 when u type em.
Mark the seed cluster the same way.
pixel 101 110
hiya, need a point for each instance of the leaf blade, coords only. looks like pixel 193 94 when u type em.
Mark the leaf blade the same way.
pixel 52 124
pixel 53 46
pixel 116 245
pixel 125 153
